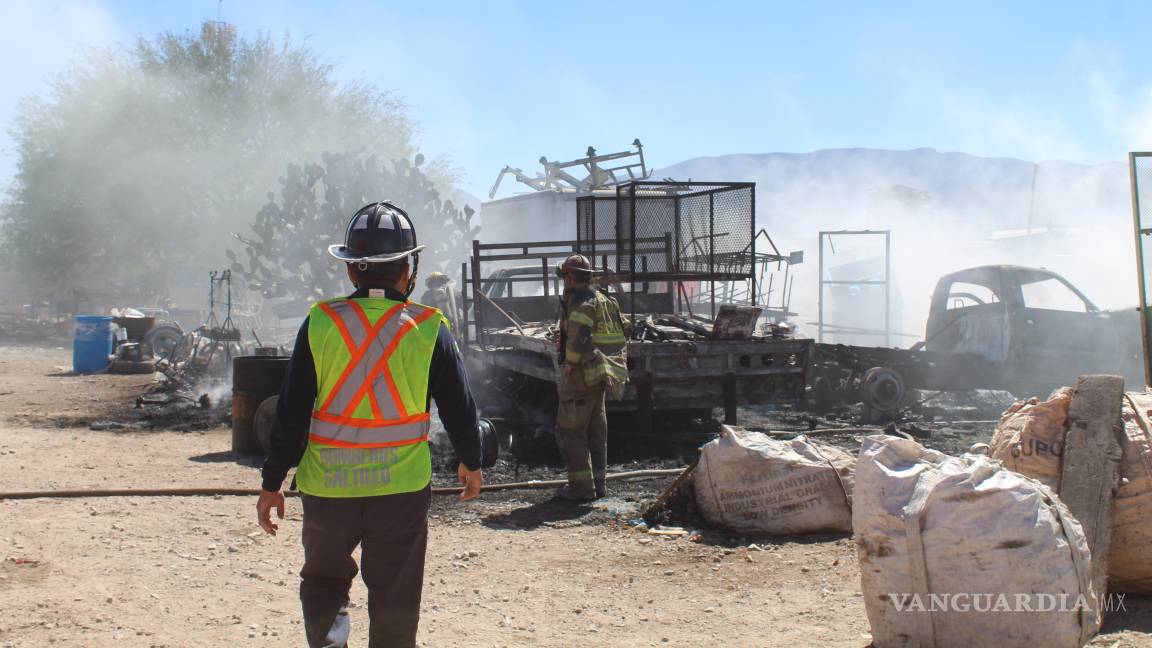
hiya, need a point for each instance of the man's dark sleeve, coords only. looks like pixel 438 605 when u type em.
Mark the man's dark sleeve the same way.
pixel 448 386
pixel 293 414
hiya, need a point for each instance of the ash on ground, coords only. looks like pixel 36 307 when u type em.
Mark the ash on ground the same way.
pixel 171 405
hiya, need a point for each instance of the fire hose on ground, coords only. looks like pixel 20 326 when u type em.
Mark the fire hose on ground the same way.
pixel 212 492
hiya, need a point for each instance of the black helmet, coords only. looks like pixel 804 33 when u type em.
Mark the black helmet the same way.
pixel 378 233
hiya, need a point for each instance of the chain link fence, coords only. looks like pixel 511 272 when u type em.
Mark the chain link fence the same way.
pixel 596 230
pixel 674 230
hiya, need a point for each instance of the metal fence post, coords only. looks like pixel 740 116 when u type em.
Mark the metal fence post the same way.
pixel 465 302
pixel 476 290
pixel 712 249
pixel 1140 232
pixel 820 293
pixel 887 288
pixel 752 250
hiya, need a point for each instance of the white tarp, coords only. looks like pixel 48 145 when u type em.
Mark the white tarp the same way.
pixel 750 482
pixel 959 551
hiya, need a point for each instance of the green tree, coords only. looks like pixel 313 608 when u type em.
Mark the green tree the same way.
pixel 286 252
pixel 142 160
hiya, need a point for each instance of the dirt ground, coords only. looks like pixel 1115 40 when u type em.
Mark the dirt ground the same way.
pixel 510 569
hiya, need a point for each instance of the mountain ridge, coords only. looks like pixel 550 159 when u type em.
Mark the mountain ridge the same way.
pixel 841 185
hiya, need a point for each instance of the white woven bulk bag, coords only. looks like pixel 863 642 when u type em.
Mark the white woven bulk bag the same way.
pixel 958 551
pixel 1030 440
pixel 752 483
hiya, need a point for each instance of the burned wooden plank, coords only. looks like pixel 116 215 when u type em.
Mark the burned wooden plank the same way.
pixel 735 322
pixel 1090 474
pixel 700 328
pixel 656 510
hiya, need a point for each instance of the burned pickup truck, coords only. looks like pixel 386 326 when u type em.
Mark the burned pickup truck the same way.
pixel 1022 330
pixel 681 260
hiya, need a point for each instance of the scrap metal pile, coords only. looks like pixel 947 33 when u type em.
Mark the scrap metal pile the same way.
pixel 21 326
pixel 197 366
pixel 727 326
pixel 733 323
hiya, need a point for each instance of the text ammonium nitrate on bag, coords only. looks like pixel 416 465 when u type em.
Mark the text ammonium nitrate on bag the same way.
pixel 752 483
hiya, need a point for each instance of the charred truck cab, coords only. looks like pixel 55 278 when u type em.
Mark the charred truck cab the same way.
pixel 1022 330
pixel 1033 324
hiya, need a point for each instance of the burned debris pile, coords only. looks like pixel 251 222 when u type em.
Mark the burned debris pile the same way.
pixel 194 370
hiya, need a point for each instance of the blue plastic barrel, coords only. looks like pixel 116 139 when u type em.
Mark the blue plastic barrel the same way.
pixel 92 344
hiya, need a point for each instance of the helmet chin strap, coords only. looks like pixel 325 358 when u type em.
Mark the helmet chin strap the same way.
pixel 412 276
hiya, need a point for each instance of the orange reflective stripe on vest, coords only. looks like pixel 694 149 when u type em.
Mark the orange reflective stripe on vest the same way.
pixel 367 376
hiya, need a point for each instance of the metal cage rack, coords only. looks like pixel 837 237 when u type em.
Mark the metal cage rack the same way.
pixel 711 226
pixel 709 229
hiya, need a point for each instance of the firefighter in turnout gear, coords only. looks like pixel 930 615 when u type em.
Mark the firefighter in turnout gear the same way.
pixel 592 347
pixel 441 295
pixel 353 415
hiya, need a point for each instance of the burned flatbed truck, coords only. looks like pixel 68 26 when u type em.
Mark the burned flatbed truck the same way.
pixel 681 260
pixel 1022 330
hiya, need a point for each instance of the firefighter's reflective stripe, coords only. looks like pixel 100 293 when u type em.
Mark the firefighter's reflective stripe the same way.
pixel 607 335
pixel 610 365
pixel 603 369
pixel 603 320
pixel 581 318
pixel 605 339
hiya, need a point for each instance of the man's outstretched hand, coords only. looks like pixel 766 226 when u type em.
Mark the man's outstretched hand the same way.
pixel 471 480
pixel 268 501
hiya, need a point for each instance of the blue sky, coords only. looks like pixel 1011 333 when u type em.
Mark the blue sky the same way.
pixel 496 82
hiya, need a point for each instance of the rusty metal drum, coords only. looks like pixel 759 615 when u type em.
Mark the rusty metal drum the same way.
pixel 254 379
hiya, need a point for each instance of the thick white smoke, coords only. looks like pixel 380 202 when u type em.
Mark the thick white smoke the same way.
pixel 946 211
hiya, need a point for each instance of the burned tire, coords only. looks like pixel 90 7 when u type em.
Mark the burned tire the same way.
pixel 882 389
pixel 536 447
pixel 161 340
pixel 132 367
pixel 265 420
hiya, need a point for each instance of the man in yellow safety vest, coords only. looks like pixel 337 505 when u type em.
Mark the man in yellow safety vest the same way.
pixel 353 414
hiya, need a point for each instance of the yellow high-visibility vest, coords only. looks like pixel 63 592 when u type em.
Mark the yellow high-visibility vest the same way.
pixel 370 421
